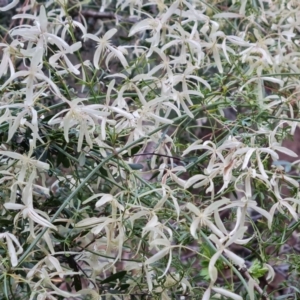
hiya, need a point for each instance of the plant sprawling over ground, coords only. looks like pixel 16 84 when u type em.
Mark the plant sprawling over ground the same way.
pixel 140 148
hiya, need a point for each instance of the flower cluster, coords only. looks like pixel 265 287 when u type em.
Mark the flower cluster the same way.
pixel 108 176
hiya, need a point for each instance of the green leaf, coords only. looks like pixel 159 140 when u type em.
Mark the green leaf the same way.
pixel 124 287
pixel 117 291
pixel 62 159
pixel 247 122
pixel 136 166
pixel 5 287
pixel 204 274
pixel 114 277
pixel 257 270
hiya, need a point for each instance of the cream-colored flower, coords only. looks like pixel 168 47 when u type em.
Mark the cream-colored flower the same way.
pixel 204 217
pixel 10 238
pixel 27 210
pixel 83 117
pixel 104 44
pixel 26 164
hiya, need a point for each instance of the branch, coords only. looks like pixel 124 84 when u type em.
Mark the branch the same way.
pixel 107 15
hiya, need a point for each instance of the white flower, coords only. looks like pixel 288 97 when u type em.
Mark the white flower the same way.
pixel 214 47
pixel 203 180
pixel 105 198
pixel 249 151
pixel 158 26
pixel 261 47
pixel 32 75
pixel 10 238
pixel 170 173
pixel 222 243
pixel 27 209
pixel 51 262
pixel 105 44
pixel 6 61
pixel 45 283
pixel 112 225
pixel 203 217
pixel 19 119
pixel 25 163
pixel 221 291
pixel 187 42
pixel 85 117
pixel 216 153
pixel 158 239
pixel 250 174
pixel 63 54
pixel 242 206
pixel 284 203
pixel 39 33
pixel 166 193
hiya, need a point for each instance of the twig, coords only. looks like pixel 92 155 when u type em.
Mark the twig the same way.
pixel 107 15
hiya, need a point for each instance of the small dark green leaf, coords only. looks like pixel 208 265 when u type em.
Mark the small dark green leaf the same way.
pixel 62 159
pixel 155 174
pixel 114 277
pixel 124 287
pixel 235 194
pixel 5 288
pixel 136 166
pixel 247 122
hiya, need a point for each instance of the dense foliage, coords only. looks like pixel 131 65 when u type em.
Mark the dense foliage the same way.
pixel 140 148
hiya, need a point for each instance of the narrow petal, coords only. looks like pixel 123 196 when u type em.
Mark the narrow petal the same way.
pixel 12 252
pixel 110 33
pixel 38 219
pixel 190 206
pixel 194 227
pixel 13 206
pixel 212 270
pixel 160 254
pixel 261 167
pixel 227 293
pixel 193 180
pixel 247 157
pixel 9 6
pixel 235 258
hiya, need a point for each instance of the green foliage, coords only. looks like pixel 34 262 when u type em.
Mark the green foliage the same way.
pixel 140 149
